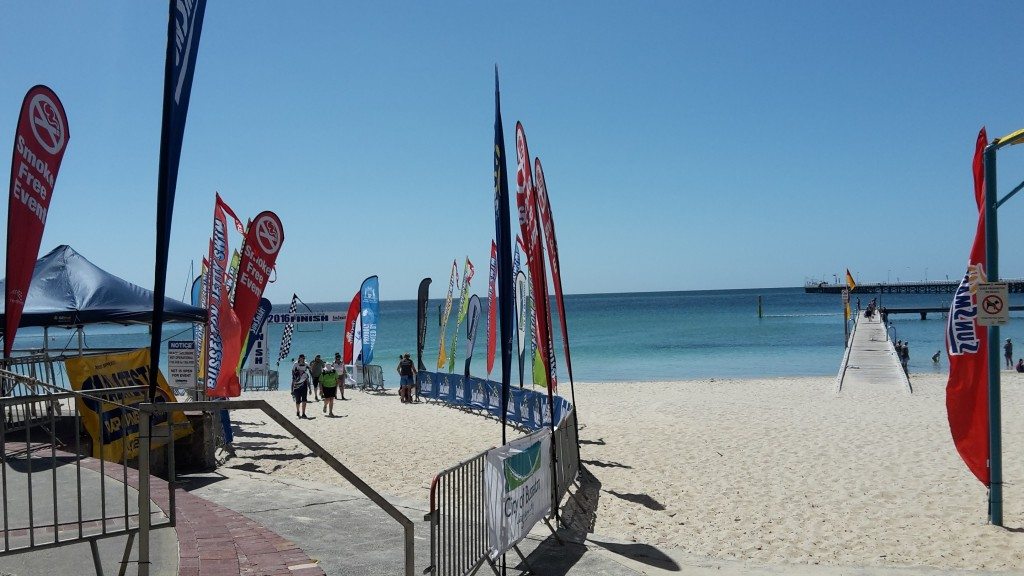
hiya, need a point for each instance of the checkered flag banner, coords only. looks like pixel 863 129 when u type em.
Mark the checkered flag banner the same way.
pixel 286 339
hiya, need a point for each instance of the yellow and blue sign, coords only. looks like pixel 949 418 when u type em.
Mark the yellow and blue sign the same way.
pixel 113 421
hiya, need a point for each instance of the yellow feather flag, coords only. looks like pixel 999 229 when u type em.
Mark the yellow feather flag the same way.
pixel 849 282
pixel 847 310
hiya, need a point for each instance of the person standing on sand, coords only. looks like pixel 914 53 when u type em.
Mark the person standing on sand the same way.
pixel 401 379
pixel 316 367
pixel 407 372
pixel 905 358
pixel 329 388
pixel 339 367
pixel 1008 353
pixel 300 385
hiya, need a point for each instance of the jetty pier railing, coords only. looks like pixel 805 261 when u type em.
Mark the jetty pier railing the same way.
pixel 149 410
pixel 47 501
pixel 458 505
pixel 1015 286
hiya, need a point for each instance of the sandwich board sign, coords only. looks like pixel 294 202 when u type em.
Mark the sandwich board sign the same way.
pixel 993 304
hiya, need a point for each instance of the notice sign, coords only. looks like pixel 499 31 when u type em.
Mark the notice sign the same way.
pixel 993 304
pixel 181 364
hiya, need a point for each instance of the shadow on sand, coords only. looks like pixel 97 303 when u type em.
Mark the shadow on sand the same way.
pixel 579 516
pixel 641 499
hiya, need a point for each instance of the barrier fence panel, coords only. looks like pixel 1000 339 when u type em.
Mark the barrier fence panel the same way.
pixel 458 522
pixel 458 505
pixel 567 461
pixel 51 491
pixel 259 379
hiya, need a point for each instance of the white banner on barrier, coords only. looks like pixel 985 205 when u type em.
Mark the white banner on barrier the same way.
pixel 517 484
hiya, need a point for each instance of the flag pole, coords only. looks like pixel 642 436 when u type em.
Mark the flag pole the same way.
pixel 995 491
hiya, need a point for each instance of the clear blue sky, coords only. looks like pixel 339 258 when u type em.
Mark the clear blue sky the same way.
pixel 687 145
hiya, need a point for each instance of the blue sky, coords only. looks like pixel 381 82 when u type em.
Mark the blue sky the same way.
pixel 686 145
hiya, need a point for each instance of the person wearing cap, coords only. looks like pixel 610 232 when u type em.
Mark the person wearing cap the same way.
pixel 316 367
pixel 339 367
pixel 300 385
pixel 1008 353
pixel 329 387
pixel 407 372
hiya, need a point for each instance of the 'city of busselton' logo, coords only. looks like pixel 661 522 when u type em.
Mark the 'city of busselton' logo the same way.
pixel 519 468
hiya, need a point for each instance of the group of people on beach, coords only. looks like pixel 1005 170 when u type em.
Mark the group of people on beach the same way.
pixel 327 380
pixel 903 353
pixel 324 379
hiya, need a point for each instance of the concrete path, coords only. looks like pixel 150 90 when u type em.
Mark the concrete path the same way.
pixel 870 359
pixel 208 540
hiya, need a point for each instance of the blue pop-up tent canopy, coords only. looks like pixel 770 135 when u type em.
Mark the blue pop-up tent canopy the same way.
pixel 68 290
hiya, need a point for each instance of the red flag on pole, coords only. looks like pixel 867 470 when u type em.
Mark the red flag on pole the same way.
pixel 967 346
pixel 548 224
pixel 224 333
pixel 350 328
pixel 492 309
pixel 526 201
pixel 39 144
pixel 259 254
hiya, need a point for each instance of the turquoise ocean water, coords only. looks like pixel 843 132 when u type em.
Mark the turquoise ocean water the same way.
pixel 632 336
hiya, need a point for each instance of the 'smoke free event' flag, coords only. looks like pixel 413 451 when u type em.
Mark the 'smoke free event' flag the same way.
pixel 526 200
pixel 259 254
pixel 39 144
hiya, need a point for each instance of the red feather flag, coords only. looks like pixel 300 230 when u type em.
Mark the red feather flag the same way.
pixel 967 346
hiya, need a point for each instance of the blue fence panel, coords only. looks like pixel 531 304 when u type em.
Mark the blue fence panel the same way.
pixel 427 383
pixel 527 408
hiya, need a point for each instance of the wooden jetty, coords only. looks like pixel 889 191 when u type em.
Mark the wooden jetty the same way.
pixel 941 287
pixel 870 360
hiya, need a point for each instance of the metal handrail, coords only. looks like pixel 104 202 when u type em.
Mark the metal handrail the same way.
pixel 148 409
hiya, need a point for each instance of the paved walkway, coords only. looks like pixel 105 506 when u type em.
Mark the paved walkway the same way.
pixel 208 540
pixel 870 359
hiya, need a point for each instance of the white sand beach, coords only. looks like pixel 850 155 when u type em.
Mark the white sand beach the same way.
pixel 762 471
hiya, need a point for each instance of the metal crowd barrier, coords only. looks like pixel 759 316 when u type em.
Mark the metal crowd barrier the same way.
pixel 567 464
pixel 46 501
pixel 458 506
pixel 39 368
pixel 373 377
pixel 259 379
pixel 458 521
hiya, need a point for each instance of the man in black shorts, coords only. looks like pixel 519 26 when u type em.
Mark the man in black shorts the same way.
pixel 300 385
pixel 316 367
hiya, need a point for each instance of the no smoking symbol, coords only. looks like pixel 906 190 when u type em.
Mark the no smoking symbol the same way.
pixel 268 234
pixel 47 124
pixel 992 304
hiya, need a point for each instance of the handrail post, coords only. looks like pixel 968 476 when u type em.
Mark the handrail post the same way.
pixel 144 511
pixel 995 445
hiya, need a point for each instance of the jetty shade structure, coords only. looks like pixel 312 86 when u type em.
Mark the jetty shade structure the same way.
pixel 68 290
